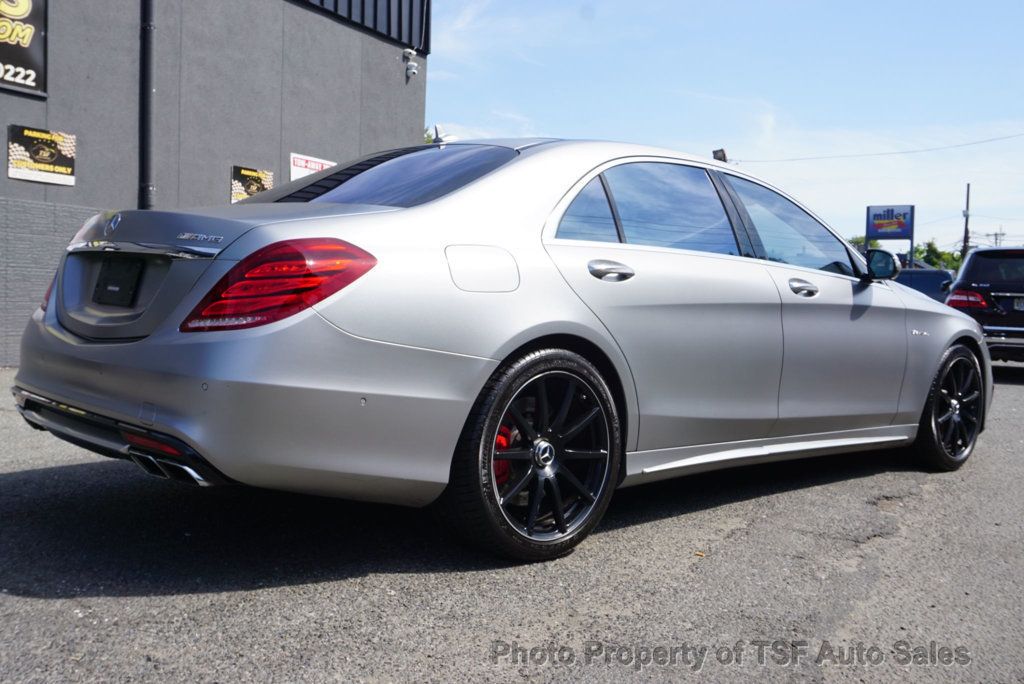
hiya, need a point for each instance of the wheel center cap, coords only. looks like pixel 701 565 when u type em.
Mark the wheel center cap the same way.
pixel 543 453
pixel 955 405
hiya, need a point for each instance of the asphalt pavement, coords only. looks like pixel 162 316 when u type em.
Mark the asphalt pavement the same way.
pixel 847 568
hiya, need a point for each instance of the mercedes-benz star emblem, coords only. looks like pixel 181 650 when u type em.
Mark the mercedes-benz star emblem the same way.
pixel 544 454
pixel 112 224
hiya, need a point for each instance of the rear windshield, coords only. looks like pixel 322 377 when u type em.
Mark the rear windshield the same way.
pixel 997 267
pixel 400 178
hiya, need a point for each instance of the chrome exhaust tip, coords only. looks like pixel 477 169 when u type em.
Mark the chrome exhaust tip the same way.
pixel 167 470
pixel 183 473
pixel 148 464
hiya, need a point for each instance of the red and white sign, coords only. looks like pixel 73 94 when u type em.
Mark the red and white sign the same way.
pixel 303 165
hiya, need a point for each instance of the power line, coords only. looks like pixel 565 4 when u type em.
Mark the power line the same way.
pixel 998 218
pixel 956 217
pixel 880 154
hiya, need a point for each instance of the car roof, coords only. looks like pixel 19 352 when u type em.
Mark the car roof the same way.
pixel 997 249
pixel 511 143
pixel 609 148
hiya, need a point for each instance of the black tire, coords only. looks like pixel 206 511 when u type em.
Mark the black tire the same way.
pixel 954 412
pixel 510 418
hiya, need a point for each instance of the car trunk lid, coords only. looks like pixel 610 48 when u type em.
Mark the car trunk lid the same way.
pixel 124 273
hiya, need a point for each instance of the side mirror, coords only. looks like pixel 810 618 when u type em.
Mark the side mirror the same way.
pixel 882 265
pixel 946 285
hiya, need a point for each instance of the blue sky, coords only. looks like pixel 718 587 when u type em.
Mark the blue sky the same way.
pixel 764 80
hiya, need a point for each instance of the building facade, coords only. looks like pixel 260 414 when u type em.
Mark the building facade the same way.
pixel 246 83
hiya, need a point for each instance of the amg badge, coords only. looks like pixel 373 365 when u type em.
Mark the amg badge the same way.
pixel 200 237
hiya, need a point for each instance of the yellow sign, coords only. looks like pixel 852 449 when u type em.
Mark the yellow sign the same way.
pixel 23 46
pixel 15 9
pixel 41 156
pixel 12 30
pixel 246 182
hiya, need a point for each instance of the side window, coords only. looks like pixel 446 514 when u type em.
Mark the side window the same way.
pixel 788 233
pixel 670 205
pixel 589 217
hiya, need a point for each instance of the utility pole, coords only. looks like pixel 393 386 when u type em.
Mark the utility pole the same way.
pixel 967 231
pixel 147 77
pixel 997 237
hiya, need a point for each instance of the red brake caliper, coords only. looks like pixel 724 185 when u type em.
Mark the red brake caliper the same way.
pixel 502 468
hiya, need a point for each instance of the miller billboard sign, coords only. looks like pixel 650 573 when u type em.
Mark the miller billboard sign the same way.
pixel 891 222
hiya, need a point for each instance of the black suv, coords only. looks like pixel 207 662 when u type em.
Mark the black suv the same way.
pixel 990 288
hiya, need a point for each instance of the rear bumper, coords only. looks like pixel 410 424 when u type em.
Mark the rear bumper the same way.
pixel 106 437
pixel 297 405
pixel 1005 343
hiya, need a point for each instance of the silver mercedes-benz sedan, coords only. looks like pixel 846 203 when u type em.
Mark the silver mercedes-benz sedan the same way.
pixel 509 330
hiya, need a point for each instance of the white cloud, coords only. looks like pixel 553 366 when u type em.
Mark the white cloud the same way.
pixel 442 75
pixel 520 126
pixel 498 124
pixel 464 132
pixel 456 32
pixel 471 32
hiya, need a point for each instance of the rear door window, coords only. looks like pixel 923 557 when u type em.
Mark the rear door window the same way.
pixel 670 205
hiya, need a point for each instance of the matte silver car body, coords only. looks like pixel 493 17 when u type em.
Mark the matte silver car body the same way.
pixel 365 394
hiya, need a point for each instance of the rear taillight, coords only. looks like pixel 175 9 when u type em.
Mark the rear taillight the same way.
pixel 49 291
pixel 278 281
pixel 966 299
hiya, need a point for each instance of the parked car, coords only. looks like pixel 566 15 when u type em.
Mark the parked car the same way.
pixel 508 330
pixel 990 289
pixel 934 282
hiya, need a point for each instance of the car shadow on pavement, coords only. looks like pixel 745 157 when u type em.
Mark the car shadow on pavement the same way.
pixel 104 529
pixel 674 497
pixel 1008 375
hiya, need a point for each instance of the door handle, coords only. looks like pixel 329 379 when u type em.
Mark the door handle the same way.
pixel 802 287
pixel 612 271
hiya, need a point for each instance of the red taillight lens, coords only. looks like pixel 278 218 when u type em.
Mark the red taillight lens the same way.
pixel 966 299
pixel 149 444
pixel 277 281
pixel 49 291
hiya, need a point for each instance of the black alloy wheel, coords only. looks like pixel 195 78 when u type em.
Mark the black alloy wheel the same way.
pixel 550 456
pixel 538 460
pixel 955 412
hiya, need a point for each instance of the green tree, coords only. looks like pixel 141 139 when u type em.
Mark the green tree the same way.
pixel 428 135
pixel 930 254
pixel 858 242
